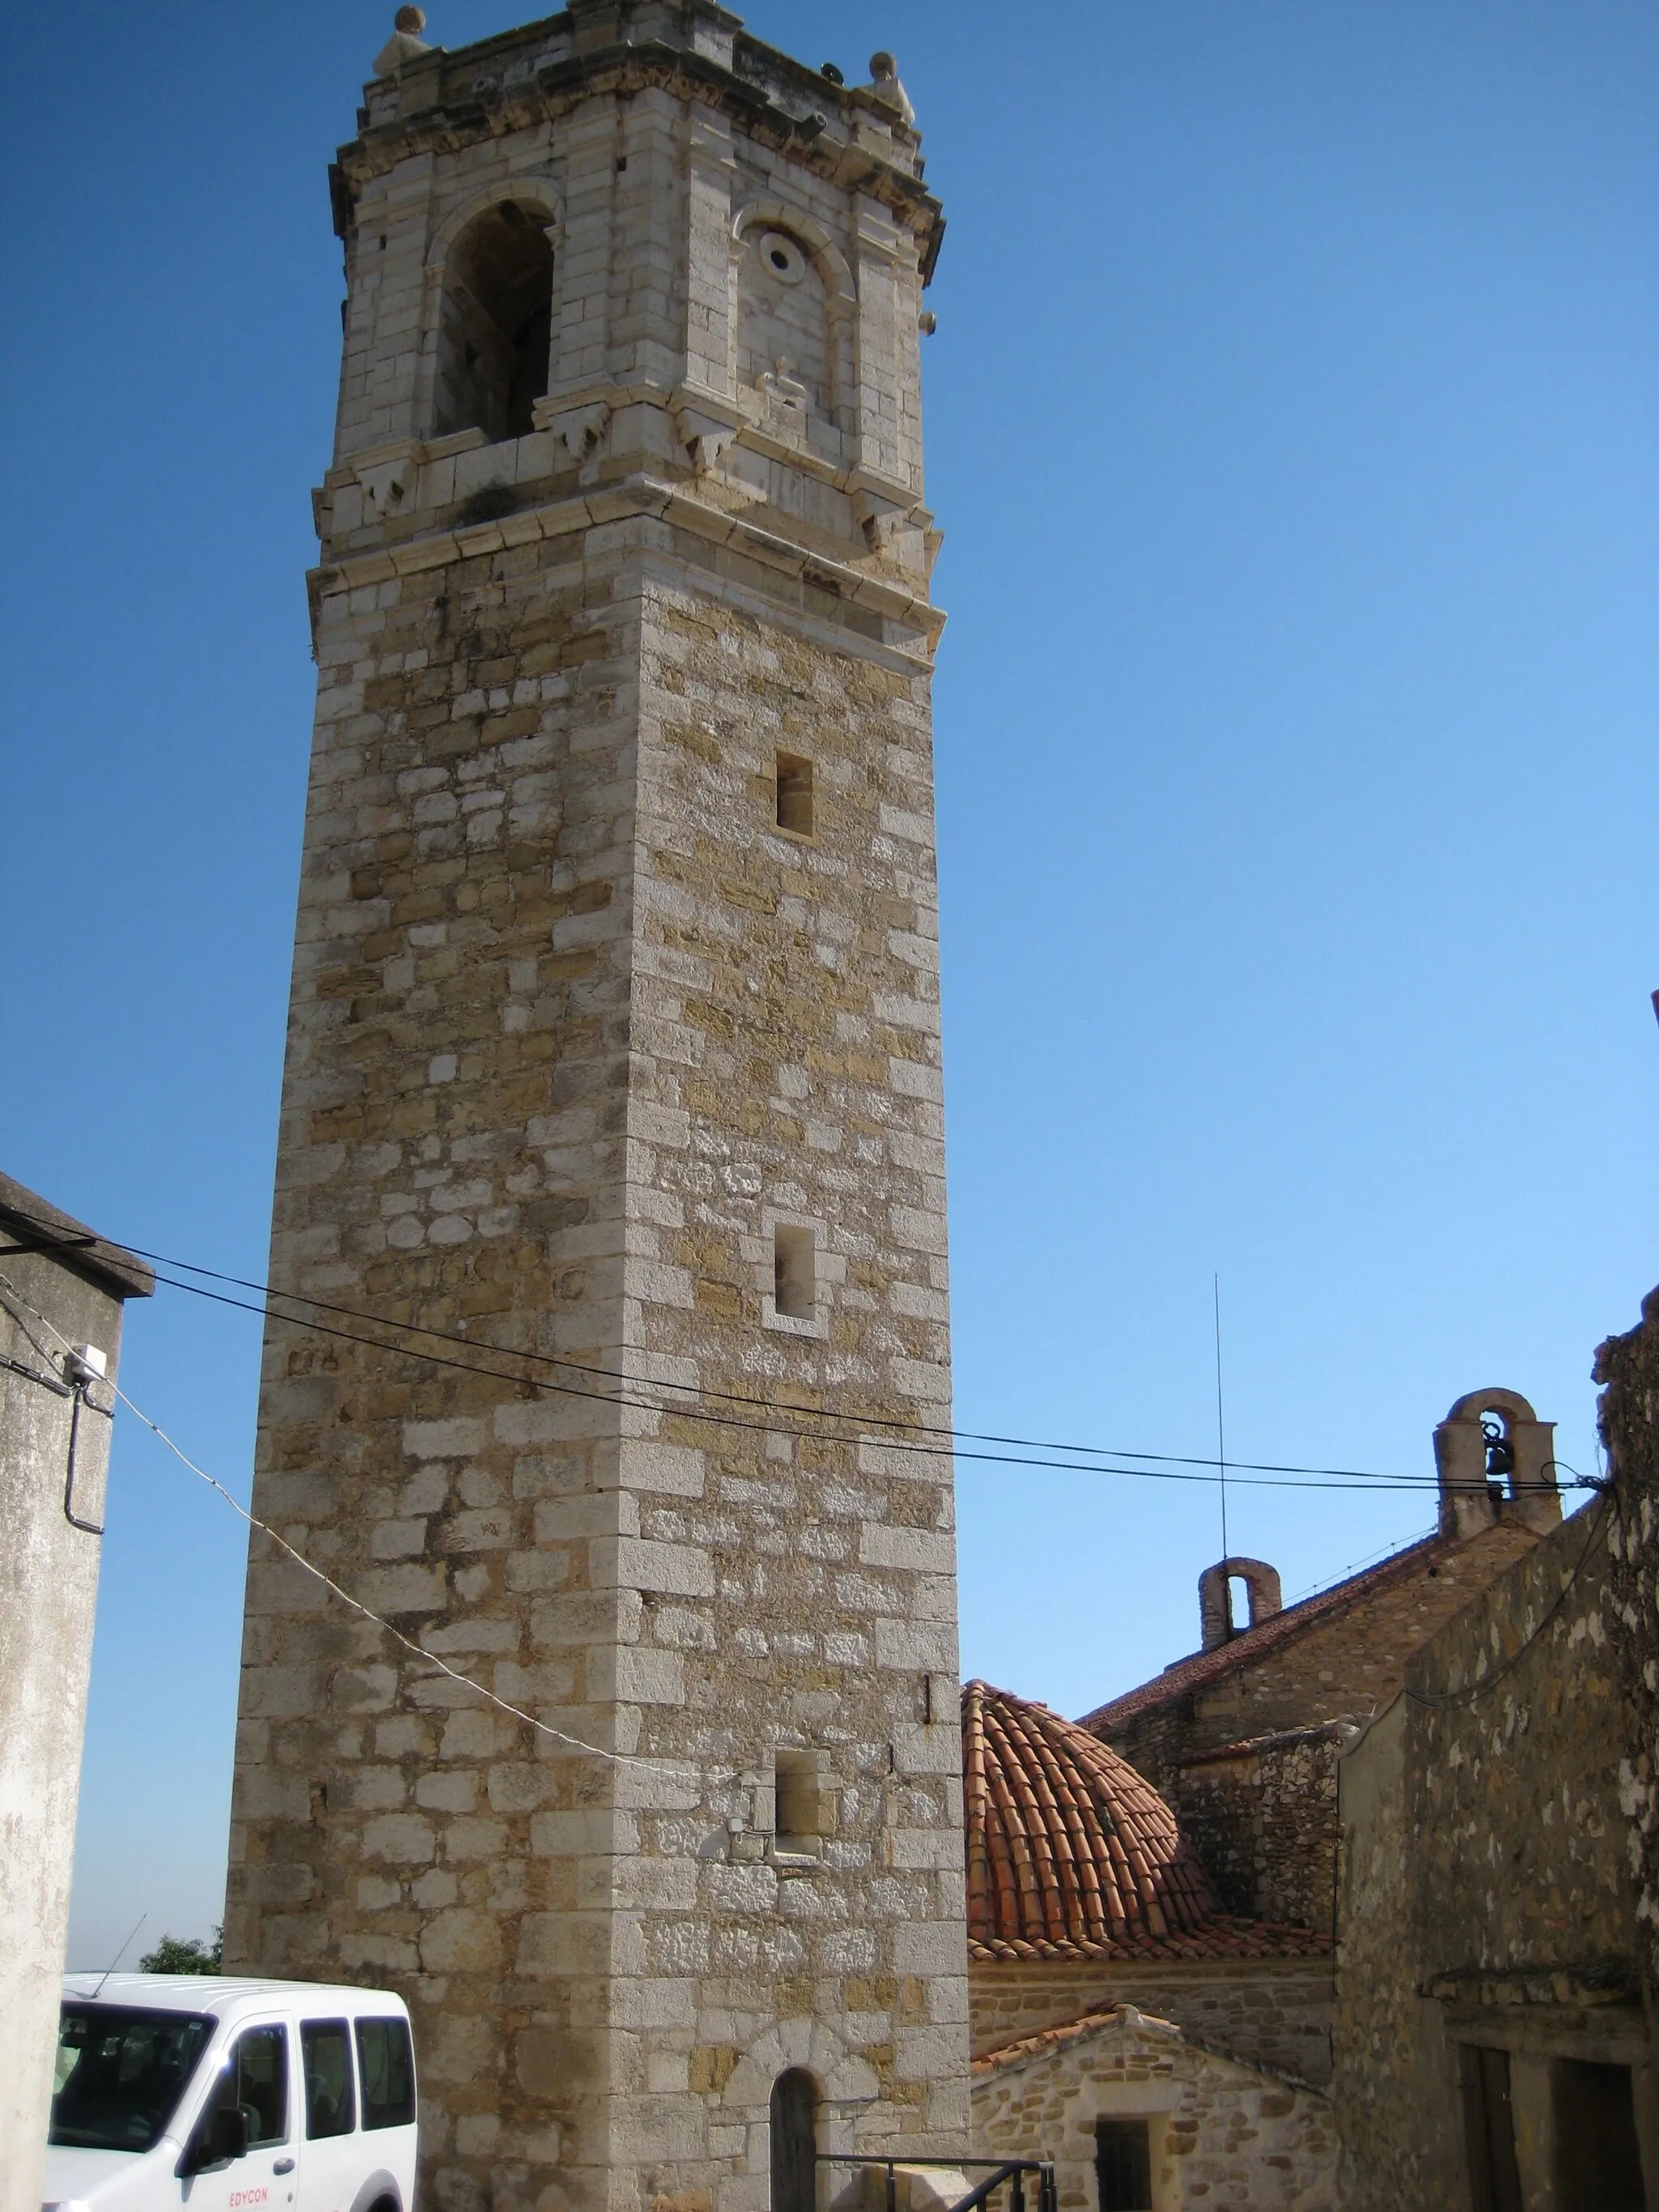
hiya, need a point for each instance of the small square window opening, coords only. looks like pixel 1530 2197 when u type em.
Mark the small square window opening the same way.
pixel 796 1822
pixel 794 1285
pixel 795 794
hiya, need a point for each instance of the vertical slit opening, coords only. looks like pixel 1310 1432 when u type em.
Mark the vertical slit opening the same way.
pixel 794 1286
pixel 794 781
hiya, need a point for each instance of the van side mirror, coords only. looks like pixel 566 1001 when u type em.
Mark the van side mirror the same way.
pixel 222 2136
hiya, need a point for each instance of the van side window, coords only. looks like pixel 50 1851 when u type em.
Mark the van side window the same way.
pixel 325 2060
pixel 256 2079
pixel 386 2066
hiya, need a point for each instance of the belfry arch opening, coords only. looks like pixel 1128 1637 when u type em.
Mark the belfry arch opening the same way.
pixel 495 325
pixel 794 2130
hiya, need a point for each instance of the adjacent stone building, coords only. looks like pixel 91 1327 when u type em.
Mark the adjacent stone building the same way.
pixel 1160 2049
pixel 1495 2040
pixel 612 1136
pixel 1242 1738
pixel 1628 1366
pixel 63 1292
pixel 1493 2043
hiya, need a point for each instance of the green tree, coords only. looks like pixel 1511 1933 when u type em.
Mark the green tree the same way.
pixel 184 1955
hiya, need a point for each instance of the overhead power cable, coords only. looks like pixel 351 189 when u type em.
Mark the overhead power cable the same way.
pixel 781 1424
pixel 781 1416
pixel 678 1775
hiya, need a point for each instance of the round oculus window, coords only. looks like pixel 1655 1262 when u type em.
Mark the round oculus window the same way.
pixel 780 257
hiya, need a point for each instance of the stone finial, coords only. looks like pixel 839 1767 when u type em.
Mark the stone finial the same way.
pixel 405 44
pixel 884 84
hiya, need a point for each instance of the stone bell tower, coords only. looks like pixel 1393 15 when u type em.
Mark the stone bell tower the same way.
pixel 613 1095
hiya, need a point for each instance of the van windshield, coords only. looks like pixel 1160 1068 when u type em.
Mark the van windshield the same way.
pixel 120 2074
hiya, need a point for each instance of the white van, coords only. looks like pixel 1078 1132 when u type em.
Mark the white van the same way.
pixel 185 2092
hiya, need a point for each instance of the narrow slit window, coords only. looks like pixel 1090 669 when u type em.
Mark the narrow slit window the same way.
pixel 794 1286
pixel 795 794
pixel 797 1820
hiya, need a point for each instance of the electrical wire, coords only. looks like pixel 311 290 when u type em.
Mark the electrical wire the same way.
pixel 677 1775
pixel 855 1418
pixel 776 1426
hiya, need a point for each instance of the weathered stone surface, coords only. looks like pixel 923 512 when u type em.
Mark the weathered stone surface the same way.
pixel 1628 1366
pixel 1219 2130
pixel 576 1025
pixel 1486 1890
pixel 1275 2012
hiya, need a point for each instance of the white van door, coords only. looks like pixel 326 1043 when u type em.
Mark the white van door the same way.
pixel 244 2145
pixel 337 2160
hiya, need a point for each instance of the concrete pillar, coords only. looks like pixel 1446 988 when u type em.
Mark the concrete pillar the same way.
pixel 55 1409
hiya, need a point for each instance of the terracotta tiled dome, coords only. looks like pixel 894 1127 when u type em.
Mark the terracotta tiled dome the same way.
pixel 1070 1852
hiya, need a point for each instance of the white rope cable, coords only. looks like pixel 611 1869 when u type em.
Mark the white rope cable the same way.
pixel 544 1728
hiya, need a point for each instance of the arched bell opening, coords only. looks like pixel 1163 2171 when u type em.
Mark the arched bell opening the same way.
pixel 495 326
pixel 794 2118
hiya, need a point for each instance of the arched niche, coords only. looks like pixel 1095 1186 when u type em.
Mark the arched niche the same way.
pixel 490 313
pixel 792 321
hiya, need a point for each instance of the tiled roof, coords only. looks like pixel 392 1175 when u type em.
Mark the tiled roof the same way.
pixel 1203 1668
pixel 1128 2018
pixel 1072 1855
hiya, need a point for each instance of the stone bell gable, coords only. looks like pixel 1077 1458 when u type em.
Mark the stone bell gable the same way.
pixel 612 1111
pixel 1243 1737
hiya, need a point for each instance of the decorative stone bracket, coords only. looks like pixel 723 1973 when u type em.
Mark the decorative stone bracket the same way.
pixel 705 434
pixel 578 429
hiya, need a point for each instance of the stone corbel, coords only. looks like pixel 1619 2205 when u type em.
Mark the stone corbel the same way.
pixel 387 484
pixel 578 429
pixel 705 435
pixel 895 532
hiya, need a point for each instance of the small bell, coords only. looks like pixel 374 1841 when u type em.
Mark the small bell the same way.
pixel 1500 1454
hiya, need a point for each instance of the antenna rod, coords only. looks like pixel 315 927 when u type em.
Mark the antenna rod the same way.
pixel 1221 1435
pixel 116 1960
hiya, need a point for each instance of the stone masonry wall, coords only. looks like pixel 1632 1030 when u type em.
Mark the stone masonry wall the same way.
pixel 1274 2012
pixel 574 1028
pixel 1628 1366
pixel 1263 1818
pixel 1485 1868
pixel 691 1596
pixel 1221 2133
pixel 1348 1664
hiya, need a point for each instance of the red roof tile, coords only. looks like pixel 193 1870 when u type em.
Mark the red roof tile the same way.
pixel 1072 1855
pixel 1045 2039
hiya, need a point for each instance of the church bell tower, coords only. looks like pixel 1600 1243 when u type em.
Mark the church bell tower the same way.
pixel 610 1207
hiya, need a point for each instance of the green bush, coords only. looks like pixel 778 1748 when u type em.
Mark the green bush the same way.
pixel 184 1955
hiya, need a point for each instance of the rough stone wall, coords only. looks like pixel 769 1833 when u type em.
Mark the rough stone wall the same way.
pixel 1395 2095
pixel 575 1026
pixel 1274 2012
pixel 1347 1663
pixel 1485 1890
pixel 1220 2132
pixel 1262 1817
pixel 1629 1368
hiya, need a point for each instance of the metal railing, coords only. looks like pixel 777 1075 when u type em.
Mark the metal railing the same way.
pixel 1013 2171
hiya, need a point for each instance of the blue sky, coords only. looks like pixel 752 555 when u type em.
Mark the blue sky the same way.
pixel 1293 420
